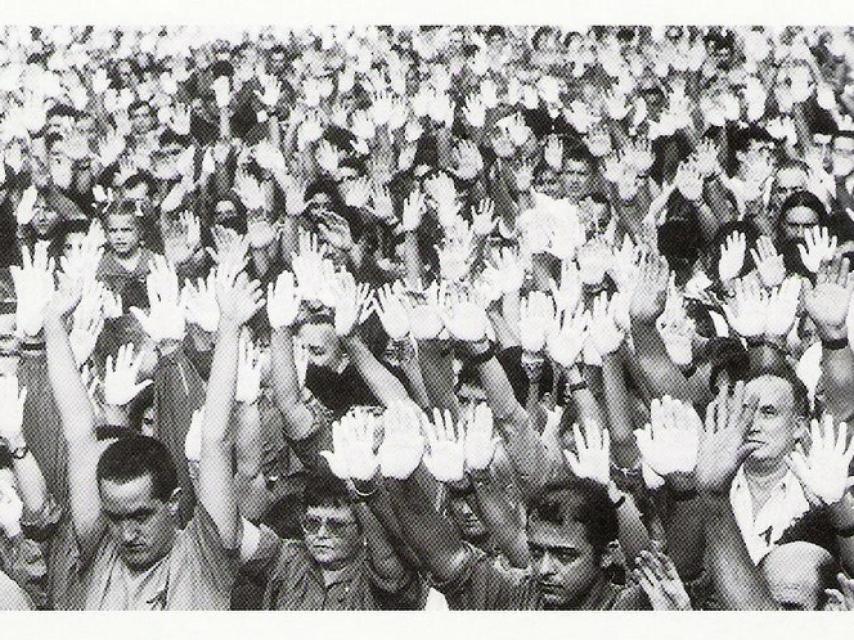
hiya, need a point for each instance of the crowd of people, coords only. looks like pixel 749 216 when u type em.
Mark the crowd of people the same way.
pixel 432 317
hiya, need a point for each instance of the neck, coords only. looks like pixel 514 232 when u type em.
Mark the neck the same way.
pixel 764 473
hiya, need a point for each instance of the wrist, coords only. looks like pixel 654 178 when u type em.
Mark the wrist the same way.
pixel 15 442
pixel 831 334
pixel 834 343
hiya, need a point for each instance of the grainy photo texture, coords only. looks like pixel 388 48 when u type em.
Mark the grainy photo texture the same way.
pixel 449 317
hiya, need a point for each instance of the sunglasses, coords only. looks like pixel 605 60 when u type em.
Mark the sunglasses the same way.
pixel 312 524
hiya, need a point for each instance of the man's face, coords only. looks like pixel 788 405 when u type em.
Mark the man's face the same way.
pixel 797 221
pixel 788 181
pixel 776 425
pixel 564 564
pixel 842 156
pixel 321 344
pixel 123 235
pixel 141 525
pixel 142 120
pixel 576 174
pixel 332 535
pixel 44 221
pixel 147 426
pixel 471 527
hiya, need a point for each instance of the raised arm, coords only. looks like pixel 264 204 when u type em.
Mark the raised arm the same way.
pixel 238 300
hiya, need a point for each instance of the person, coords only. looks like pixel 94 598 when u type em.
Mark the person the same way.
pixel 552 318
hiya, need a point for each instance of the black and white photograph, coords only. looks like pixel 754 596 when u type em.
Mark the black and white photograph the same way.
pixel 426 317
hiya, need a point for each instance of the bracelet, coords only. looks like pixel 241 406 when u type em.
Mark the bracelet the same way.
pixel 834 345
pixel 847 532
pixel 20 453
pixel 578 386
pixel 683 496
pixel 32 346
pixel 754 341
pixel 620 501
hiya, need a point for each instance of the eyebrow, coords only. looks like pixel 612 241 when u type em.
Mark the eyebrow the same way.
pixel 125 516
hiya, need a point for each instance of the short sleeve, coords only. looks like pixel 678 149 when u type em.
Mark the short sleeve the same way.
pixel 215 564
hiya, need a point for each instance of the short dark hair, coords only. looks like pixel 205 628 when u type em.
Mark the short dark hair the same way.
pixel 134 457
pixel 584 502
pixel 325 490
pixel 806 199
pixel 140 177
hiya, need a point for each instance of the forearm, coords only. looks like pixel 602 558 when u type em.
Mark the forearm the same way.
pixel 298 422
pixel 738 582
pixel 72 399
pixel 216 480
pixel 684 530
pixel 588 406
pixel 380 380
pixel 248 442
pixel 633 535
pixel 501 518
pixel 381 553
pixel 30 480
pixel 660 373
pixel 433 538
pixel 617 405
pixel 837 375
pixel 437 369
pixel 841 516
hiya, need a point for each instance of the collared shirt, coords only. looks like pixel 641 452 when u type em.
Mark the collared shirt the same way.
pixel 296 581
pixel 761 533
pixel 481 585
pixel 197 574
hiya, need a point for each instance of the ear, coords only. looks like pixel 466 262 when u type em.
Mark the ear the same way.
pixel 174 502
pixel 612 556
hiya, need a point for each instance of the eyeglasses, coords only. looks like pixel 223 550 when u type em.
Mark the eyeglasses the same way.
pixel 312 524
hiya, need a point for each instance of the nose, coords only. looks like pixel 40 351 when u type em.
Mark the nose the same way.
pixel 130 532
pixel 547 564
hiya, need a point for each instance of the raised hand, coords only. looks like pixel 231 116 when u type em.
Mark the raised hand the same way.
pixel 455 255
pixel 200 303
pixel 689 182
pixel 353 455
pixel 165 320
pixel 536 317
pixel 480 443
pixel 352 304
pixel 783 307
pixel 606 335
pixel 34 289
pixel 657 576
pixel 670 440
pixel 722 444
pixel 567 337
pixel 553 153
pixel 819 247
pixel 468 161
pixel 748 312
pixel 239 298
pixel 594 258
pixel 25 211
pixel 413 210
pixel 403 444
pixel 464 317
pixel 732 256
pixel 511 270
pixel 248 371
pixel 283 301
pixel 231 247
pixel 445 459
pixel 120 378
pixel 649 295
pixel 769 263
pixel 827 301
pixel 592 457
pixel 425 318
pixel 483 218
pixel 824 470
pixel 392 313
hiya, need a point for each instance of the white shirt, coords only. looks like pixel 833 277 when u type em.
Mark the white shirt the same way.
pixel 786 504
